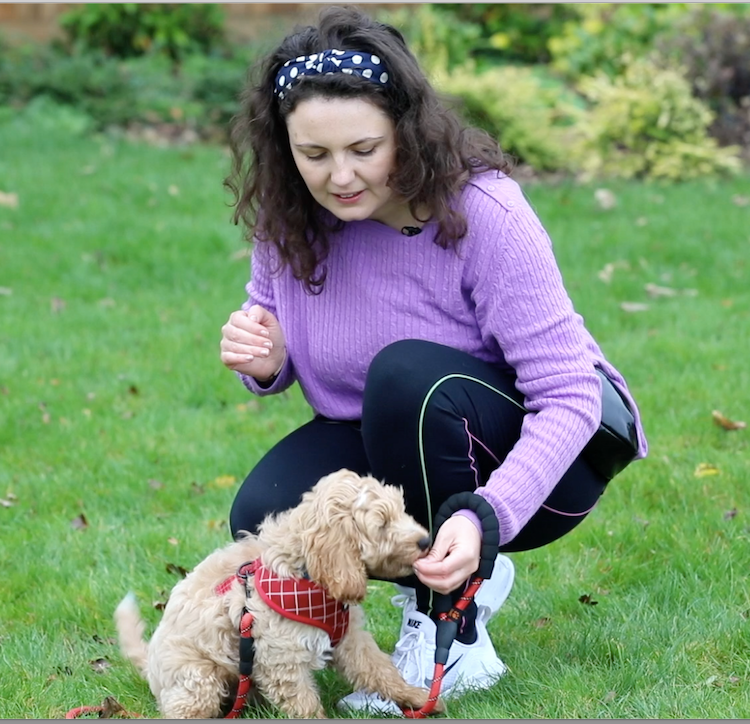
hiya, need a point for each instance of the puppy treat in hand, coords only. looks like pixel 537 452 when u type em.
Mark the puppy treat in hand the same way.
pixel 346 529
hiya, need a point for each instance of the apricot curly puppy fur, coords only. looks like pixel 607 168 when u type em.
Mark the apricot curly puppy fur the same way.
pixel 346 529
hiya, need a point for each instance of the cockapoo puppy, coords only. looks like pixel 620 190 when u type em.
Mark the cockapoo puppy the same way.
pixel 346 529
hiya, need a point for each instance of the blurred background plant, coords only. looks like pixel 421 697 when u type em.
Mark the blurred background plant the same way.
pixel 557 84
pixel 125 30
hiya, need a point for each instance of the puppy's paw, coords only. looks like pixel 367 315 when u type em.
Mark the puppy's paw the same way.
pixel 415 698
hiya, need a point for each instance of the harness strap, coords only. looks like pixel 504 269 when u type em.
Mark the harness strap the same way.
pixel 247 654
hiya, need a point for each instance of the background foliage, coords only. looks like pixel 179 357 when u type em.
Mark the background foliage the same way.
pixel 122 438
pixel 553 82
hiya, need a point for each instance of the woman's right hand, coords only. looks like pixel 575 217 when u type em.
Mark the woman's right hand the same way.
pixel 252 343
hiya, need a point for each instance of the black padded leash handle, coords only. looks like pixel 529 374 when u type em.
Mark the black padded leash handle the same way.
pixel 488 519
pixel 447 628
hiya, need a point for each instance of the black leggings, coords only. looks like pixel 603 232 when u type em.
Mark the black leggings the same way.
pixel 436 422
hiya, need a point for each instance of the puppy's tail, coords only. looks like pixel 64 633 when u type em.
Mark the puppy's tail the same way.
pixel 131 630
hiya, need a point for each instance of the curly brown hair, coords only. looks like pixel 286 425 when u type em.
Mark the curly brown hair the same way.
pixel 436 153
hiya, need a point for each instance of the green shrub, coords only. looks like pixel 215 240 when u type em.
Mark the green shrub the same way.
pixel 201 92
pixel 647 124
pixel 531 115
pixel 513 31
pixel 606 37
pixel 125 30
pixel 714 48
pixel 93 83
pixel 438 39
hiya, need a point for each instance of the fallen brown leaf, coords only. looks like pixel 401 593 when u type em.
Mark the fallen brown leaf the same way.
pixel 704 469
pixel 605 199
pixel 177 570
pixel 111 708
pixel 79 522
pixel 724 422
pixel 633 307
pixel 654 290
pixel 730 514
pixel 100 665
pixel 223 481
pixel 57 305
pixel 9 200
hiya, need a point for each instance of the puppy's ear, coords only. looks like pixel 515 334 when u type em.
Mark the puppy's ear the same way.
pixel 331 540
pixel 334 563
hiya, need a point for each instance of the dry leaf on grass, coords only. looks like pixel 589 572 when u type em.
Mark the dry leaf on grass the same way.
pixel 8 200
pixel 79 522
pixel 633 307
pixel 100 665
pixel 605 199
pixel 705 469
pixel 177 570
pixel 724 422
pixel 730 514
pixel 57 305
pixel 112 708
pixel 223 481
pixel 654 290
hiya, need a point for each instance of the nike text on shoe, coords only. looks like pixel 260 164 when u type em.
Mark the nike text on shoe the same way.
pixel 492 593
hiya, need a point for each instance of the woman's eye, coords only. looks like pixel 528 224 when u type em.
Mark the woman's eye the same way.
pixel 368 152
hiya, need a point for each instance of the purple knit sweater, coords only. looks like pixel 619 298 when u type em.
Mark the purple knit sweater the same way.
pixel 501 299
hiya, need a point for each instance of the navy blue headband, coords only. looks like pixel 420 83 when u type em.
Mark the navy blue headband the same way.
pixel 328 62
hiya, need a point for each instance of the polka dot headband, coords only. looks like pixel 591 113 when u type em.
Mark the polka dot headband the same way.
pixel 329 62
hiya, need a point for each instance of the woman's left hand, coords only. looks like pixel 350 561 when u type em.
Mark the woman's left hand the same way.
pixel 454 556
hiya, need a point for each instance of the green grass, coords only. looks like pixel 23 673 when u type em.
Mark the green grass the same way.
pixel 117 270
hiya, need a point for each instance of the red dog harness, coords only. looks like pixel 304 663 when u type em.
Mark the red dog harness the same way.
pixel 298 599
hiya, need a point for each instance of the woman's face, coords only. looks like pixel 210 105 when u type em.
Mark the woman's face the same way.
pixel 345 150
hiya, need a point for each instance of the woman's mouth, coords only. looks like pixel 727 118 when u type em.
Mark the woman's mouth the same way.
pixel 348 198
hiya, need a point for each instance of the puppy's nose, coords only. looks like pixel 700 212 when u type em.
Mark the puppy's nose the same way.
pixel 424 543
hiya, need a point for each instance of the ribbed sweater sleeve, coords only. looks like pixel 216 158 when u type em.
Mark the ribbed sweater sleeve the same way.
pixel 521 303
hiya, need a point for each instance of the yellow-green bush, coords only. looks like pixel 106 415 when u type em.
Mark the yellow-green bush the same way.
pixel 533 118
pixel 645 123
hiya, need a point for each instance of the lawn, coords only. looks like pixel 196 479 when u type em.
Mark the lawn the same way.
pixel 123 438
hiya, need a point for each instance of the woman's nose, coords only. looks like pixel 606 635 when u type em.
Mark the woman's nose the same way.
pixel 342 174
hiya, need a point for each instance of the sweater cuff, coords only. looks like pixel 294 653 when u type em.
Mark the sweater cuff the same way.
pixel 473 517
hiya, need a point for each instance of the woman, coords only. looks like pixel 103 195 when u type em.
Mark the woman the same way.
pixel 401 278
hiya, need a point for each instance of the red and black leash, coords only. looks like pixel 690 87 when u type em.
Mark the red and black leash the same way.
pixel 449 614
pixel 247 653
pixel 247 649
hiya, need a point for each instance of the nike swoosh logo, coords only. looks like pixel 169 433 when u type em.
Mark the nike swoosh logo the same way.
pixel 428 682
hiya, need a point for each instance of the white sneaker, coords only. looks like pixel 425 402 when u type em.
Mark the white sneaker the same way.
pixel 469 666
pixel 491 594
